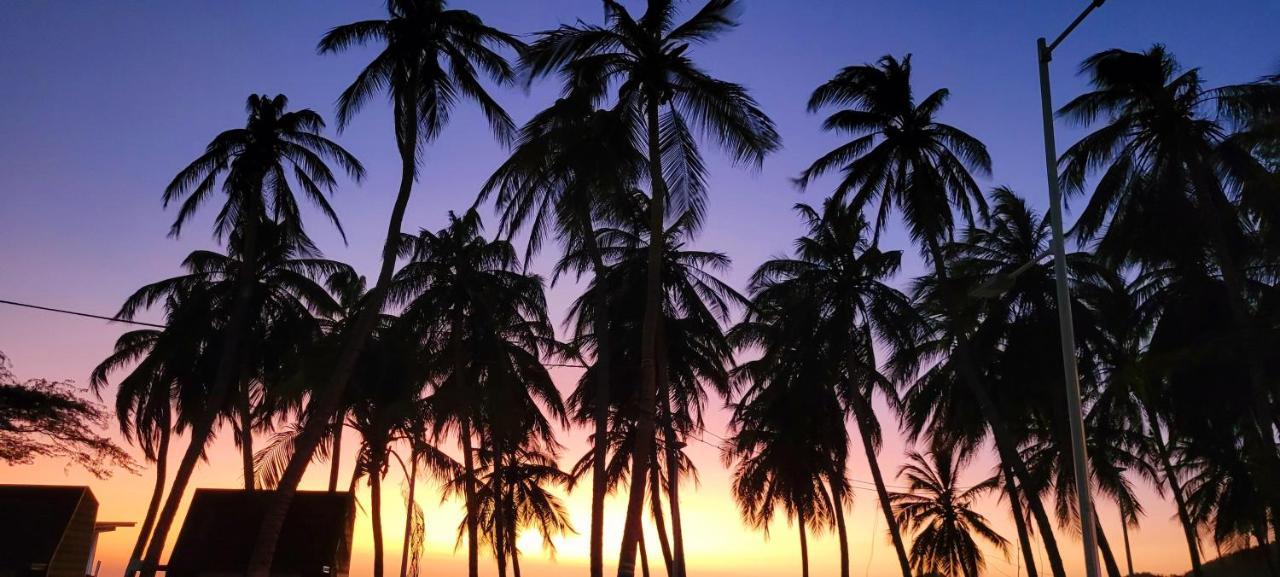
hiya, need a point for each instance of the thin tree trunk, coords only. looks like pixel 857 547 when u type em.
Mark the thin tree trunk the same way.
pixel 324 405
pixel 842 531
pixel 157 494
pixel 863 416
pixel 1108 558
pixel 1004 439
pixel 500 545
pixel 804 547
pixel 375 515
pixel 673 495
pixel 244 408
pixel 599 475
pixel 408 514
pixel 1128 553
pixel 335 453
pixel 469 493
pixel 202 428
pixel 644 557
pixel 1180 501
pixel 1019 521
pixel 659 522
pixel 671 446
pixel 648 333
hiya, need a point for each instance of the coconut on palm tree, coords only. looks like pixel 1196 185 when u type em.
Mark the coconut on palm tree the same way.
pixel 658 87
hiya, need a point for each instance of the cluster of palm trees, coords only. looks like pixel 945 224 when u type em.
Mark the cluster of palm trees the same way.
pixel 440 365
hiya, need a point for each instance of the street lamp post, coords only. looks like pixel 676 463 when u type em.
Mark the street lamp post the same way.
pixel 1075 414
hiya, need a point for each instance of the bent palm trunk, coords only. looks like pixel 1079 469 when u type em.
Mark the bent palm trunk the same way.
pixel 375 516
pixel 842 532
pixel 1019 521
pixel 659 523
pixel 862 416
pixel 408 517
pixel 335 454
pixel 1108 557
pixel 1179 500
pixel 325 404
pixel 804 546
pixel 157 494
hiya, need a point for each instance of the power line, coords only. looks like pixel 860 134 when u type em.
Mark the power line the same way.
pixel 80 314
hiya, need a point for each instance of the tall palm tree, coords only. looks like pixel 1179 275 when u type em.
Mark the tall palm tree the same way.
pixel 941 515
pixel 836 270
pixel 490 329
pixel 1161 145
pixel 694 350
pixel 431 58
pixel 902 157
pixel 658 86
pixel 284 297
pixel 570 164
pixel 787 440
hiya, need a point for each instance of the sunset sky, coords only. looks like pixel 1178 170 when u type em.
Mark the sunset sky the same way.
pixel 102 102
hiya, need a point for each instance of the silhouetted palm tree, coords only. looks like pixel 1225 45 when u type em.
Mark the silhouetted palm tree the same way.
pixel 940 513
pixel 647 60
pixel 284 298
pixel 694 351
pixel 837 271
pixel 901 157
pixel 570 164
pixel 430 60
pixel 1160 146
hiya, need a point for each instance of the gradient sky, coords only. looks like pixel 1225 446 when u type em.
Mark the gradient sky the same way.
pixel 102 102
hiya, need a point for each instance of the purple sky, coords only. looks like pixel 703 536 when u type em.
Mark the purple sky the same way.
pixel 102 102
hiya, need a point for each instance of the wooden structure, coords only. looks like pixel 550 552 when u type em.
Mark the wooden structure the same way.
pixel 46 531
pixel 218 535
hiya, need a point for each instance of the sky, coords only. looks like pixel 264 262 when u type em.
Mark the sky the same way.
pixel 102 102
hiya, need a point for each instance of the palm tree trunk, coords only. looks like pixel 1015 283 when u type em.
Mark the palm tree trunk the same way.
pixel 644 557
pixel 1128 553
pixel 1108 558
pixel 1179 500
pixel 671 446
pixel 500 546
pixel 326 401
pixel 863 416
pixel 469 492
pixel 227 372
pixel 408 514
pixel 659 522
pixel 604 352
pixel 673 495
pixel 244 409
pixel 1000 433
pixel 842 531
pixel 804 546
pixel 1019 521
pixel 157 493
pixel 335 453
pixel 648 333
pixel 375 516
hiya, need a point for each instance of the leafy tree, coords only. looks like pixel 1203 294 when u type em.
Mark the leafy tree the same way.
pixel 40 418
pixel 658 86
pixel 941 515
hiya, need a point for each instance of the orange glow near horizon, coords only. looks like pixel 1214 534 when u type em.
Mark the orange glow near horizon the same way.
pixel 717 542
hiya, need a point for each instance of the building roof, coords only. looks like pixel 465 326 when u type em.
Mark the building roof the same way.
pixel 33 519
pixel 221 527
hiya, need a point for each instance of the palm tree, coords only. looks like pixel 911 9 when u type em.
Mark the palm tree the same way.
pixel 1159 146
pixel 694 352
pixel 490 331
pixel 513 495
pixel 787 441
pixel 431 59
pixel 647 59
pixel 901 157
pixel 160 396
pixel 836 270
pixel 569 165
pixel 284 298
pixel 941 514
